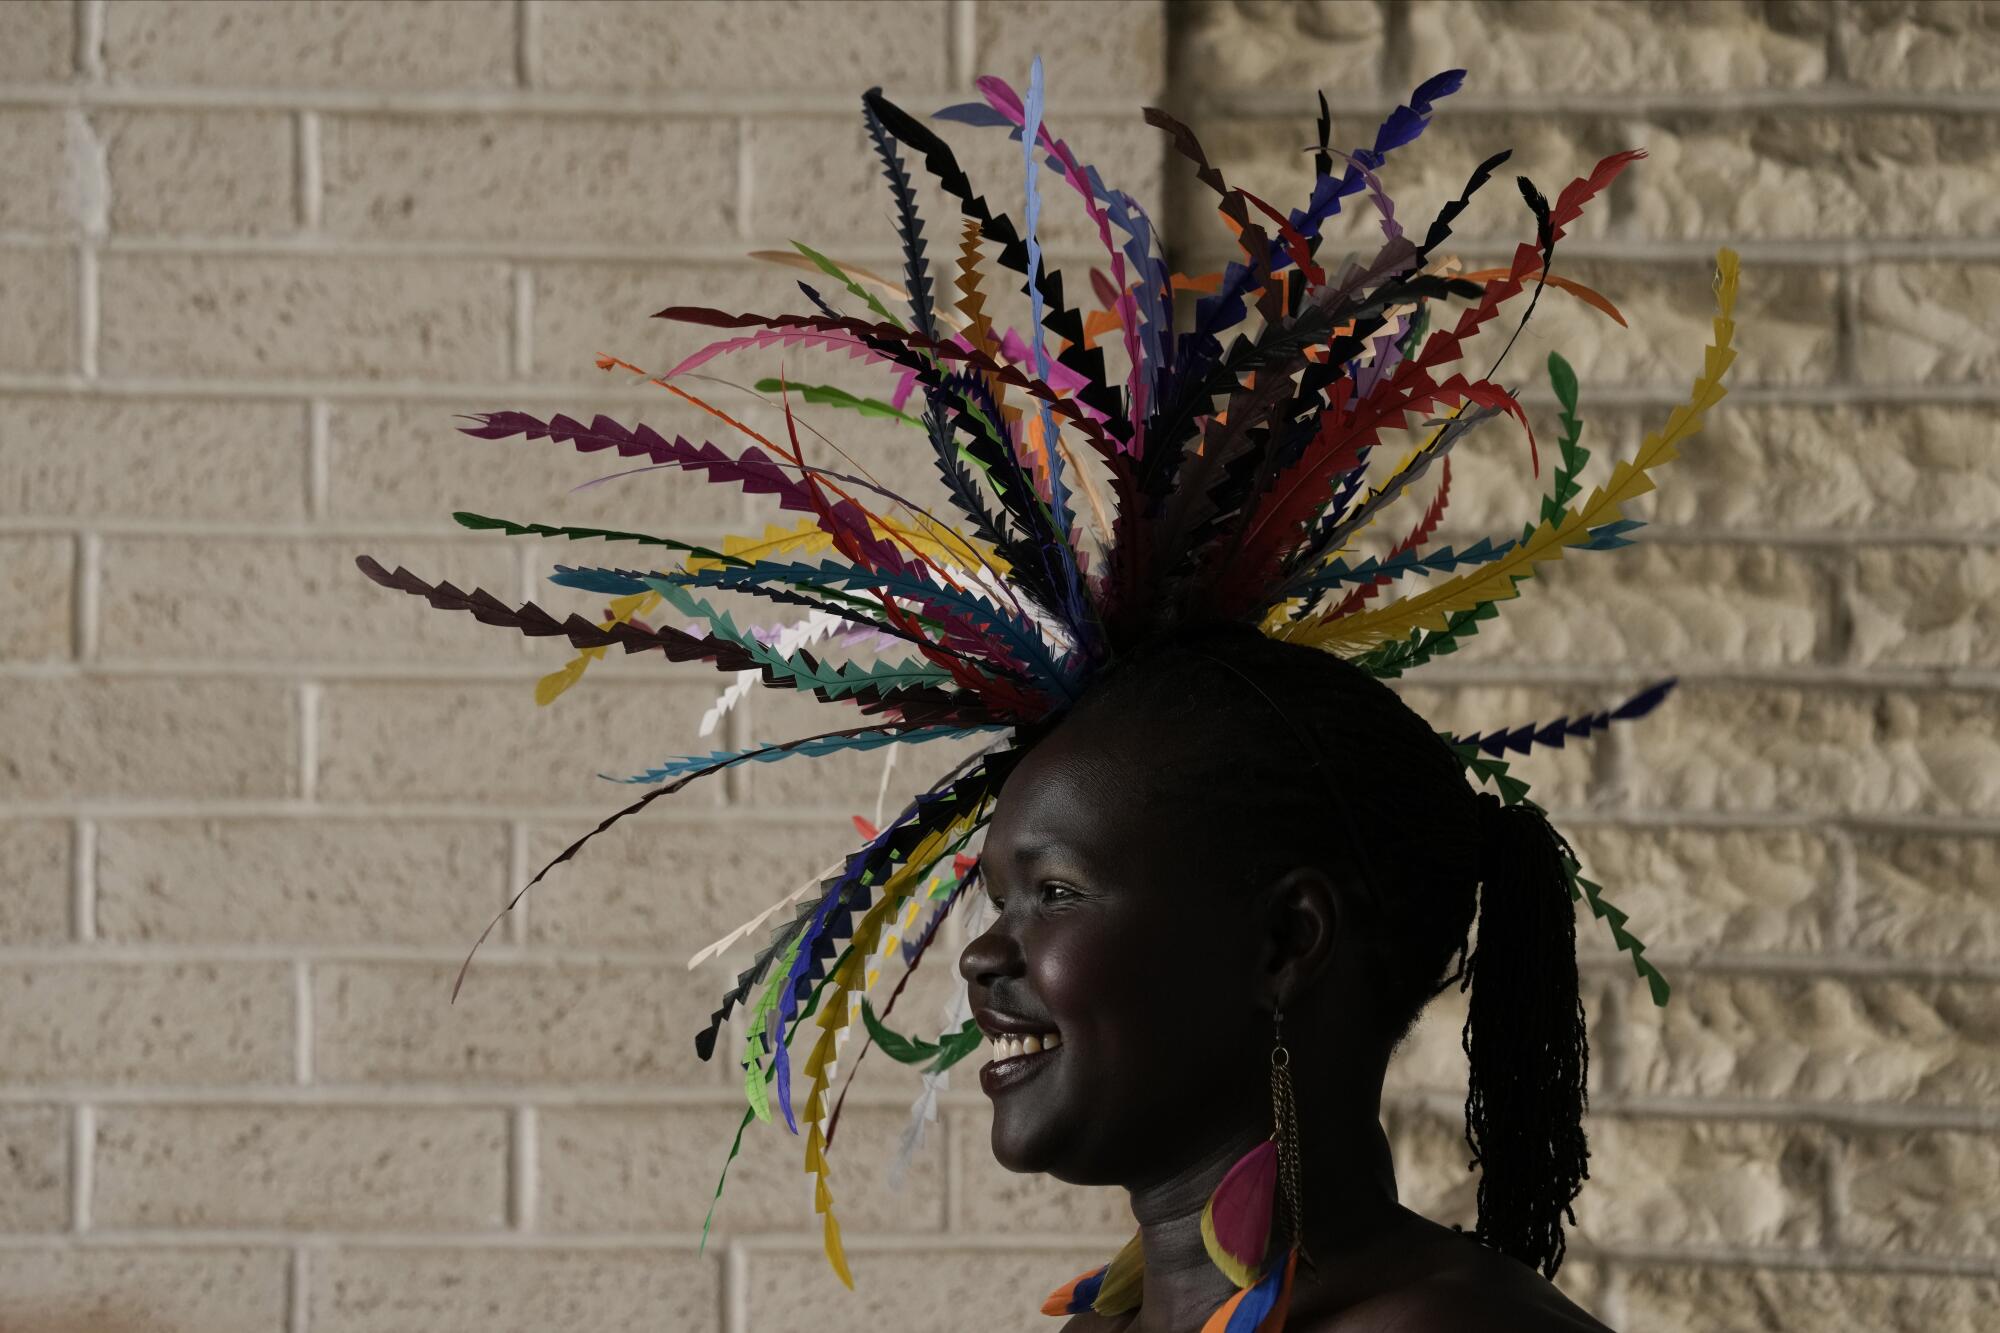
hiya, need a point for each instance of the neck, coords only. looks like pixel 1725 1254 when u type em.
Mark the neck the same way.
pixel 1348 1188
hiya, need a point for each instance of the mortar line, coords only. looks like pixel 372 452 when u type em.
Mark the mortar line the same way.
pixel 1844 909
pixel 302 1029
pixel 83 874
pixel 735 1289
pixel 524 321
pixel 308 172
pixel 1979 394
pixel 961 43
pixel 1293 102
pixel 746 178
pixel 87 309
pixel 319 473
pixel 765 816
pixel 1393 69
pixel 629 1097
pixel 90 40
pixel 1779 253
pixel 1916 680
pixel 524 1166
pixel 308 719
pixel 89 580
pixel 527 31
pixel 82 1166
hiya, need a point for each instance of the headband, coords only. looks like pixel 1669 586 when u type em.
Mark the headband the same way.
pixel 1147 450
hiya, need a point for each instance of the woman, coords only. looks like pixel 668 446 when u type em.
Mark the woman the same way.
pixel 1176 863
pixel 1232 865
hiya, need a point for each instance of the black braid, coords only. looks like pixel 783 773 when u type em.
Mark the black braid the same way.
pixel 1525 1042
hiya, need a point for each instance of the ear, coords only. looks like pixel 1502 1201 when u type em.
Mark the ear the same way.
pixel 1306 923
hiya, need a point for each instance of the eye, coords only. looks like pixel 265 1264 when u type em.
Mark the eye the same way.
pixel 1052 892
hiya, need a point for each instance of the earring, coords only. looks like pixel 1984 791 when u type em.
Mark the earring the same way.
pixel 1236 1221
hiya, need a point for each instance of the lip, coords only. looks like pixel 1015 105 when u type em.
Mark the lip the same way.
pixel 998 1076
pixel 995 1023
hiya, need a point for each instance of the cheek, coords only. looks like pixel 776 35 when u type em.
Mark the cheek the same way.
pixel 1146 991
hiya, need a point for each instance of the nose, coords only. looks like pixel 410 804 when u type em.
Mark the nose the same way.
pixel 993 953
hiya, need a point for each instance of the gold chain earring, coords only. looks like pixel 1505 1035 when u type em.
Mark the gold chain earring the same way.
pixel 1285 1132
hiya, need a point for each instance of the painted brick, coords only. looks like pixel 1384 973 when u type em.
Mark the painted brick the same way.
pixel 343 44
pixel 186 1023
pixel 1703 1183
pixel 205 1290
pixel 818 180
pixel 191 599
pixel 1273 44
pixel 1679 47
pixel 989 1288
pixel 1748 1300
pixel 513 1023
pixel 38 289
pixel 408 462
pixel 1753 469
pixel 653 1169
pixel 107 736
pixel 34 1168
pixel 1934 1043
pixel 1434 1175
pixel 315 317
pixel 1739 748
pixel 308 1167
pixel 1930 45
pixel 674 882
pixel 1110 49
pixel 1926 896
pixel 1924 606
pixel 526 178
pixel 34 897
pixel 1738 890
pixel 583 310
pixel 495 1291
pixel 1924 1192
pixel 313 883
pixel 489 742
pixel 990 1199
pixel 41 193
pixel 1659 606
pixel 199 172
pixel 1670 309
pixel 37 595
pixel 41 42
pixel 802 45
pixel 171 458
pixel 1765 467
pixel 1927 323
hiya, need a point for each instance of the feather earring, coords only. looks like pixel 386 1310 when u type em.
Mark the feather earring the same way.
pixel 1236 1221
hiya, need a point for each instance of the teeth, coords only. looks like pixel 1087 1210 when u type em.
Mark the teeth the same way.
pixel 1007 1047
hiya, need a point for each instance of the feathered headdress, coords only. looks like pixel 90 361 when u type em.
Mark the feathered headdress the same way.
pixel 1222 476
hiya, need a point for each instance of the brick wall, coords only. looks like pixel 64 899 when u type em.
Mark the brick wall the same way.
pixel 254 257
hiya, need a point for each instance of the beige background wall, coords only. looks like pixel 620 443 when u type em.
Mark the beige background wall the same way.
pixel 253 810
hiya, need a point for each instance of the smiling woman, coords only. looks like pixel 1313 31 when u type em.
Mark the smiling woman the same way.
pixel 1227 858
pixel 1174 868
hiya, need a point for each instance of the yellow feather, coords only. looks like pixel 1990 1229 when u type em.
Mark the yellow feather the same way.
pixel 806 539
pixel 1495 582
pixel 550 687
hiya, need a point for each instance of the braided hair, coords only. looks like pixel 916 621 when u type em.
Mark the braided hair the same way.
pixel 1429 852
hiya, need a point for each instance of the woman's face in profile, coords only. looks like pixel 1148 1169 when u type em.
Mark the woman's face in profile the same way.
pixel 1115 930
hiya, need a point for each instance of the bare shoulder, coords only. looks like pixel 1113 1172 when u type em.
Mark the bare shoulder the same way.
pixel 1471 1290
pixel 1446 1306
